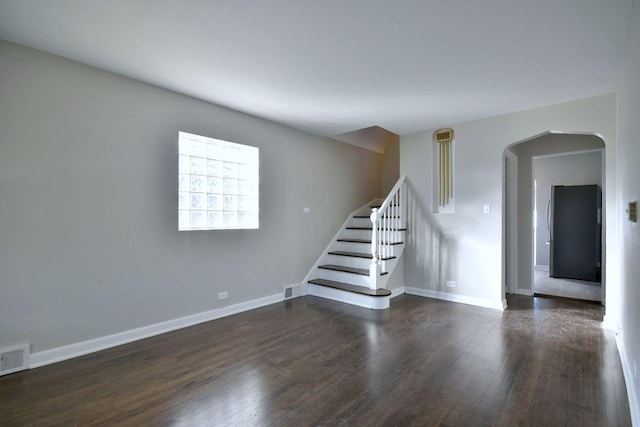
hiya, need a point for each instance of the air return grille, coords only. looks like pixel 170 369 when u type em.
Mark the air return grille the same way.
pixel 292 291
pixel 14 359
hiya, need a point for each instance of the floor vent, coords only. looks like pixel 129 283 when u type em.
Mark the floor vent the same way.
pixel 14 359
pixel 292 291
pixel 288 292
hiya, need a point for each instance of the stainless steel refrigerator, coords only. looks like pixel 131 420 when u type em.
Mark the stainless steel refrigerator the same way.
pixel 575 216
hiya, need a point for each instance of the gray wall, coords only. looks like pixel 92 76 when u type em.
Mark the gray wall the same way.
pixel 629 178
pixel 567 169
pixel 89 244
pixel 467 246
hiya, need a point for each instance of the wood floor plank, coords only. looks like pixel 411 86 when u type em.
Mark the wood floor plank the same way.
pixel 310 361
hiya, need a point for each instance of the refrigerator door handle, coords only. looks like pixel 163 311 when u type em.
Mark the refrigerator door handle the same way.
pixel 549 220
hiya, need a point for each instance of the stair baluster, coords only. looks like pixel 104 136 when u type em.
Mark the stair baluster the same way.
pixel 387 222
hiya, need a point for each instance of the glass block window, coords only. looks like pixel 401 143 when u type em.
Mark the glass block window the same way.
pixel 217 184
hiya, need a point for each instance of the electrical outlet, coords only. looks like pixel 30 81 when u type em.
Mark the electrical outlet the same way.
pixel 306 210
pixel 451 284
pixel 223 295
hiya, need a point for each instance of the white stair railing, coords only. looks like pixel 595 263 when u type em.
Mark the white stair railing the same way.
pixel 388 221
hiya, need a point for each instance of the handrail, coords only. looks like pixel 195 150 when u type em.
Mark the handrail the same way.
pixel 394 190
pixel 387 222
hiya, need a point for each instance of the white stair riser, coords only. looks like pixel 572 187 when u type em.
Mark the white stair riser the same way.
pixel 340 276
pixel 360 222
pixel 393 236
pixel 375 303
pixel 356 234
pixel 348 261
pixel 394 250
pixel 352 247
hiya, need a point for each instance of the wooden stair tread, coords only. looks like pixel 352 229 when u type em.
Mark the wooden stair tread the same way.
pixel 351 288
pixel 345 269
pixel 369 216
pixel 355 240
pixel 371 228
pixel 354 270
pixel 357 255
pixel 366 241
pixel 352 254
pixel 362 216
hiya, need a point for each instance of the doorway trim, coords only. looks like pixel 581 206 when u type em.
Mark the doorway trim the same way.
pixel 513 261
pixel 510 223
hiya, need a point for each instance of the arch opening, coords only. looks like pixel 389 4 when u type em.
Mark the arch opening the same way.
pixel 521 217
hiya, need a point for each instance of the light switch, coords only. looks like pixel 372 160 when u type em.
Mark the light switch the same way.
pixel 486 209
pixel 306 210
pixel 632 211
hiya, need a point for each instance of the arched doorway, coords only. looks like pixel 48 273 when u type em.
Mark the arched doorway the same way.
pixel 520 204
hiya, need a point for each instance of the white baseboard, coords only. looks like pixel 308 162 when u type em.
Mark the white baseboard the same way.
pixel 397 292
pixel 541 267
pixel 59 354
pixel 627 370
pixel 480 302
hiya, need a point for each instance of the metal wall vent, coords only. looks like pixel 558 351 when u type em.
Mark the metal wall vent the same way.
pixel 443 135
pixel 14 359
pixel 292 291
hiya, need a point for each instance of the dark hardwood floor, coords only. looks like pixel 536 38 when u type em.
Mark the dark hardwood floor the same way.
pixel 308 361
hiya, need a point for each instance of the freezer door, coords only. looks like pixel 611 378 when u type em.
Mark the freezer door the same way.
pixel 575 232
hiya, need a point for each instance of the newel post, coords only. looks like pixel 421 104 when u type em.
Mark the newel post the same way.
pixel 374 267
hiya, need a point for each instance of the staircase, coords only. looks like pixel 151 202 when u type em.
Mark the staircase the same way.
pixel 360 260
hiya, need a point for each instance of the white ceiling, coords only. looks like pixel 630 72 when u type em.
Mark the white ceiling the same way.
pixel 334 66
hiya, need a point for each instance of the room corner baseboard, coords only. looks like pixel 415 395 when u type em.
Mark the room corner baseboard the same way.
pixel 397 292
pixel 627 371
pixel 479 302
pixel 70 351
